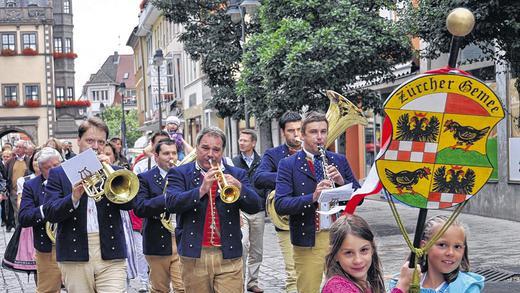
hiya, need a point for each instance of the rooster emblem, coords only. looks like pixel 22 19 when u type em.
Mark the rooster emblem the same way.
pixel 407 179
pixel 455 180
pixel 464 135
pixel 417 128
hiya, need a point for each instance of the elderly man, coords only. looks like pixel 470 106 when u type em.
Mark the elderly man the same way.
pixel 32 215
pixel 17 167
pixel 208 228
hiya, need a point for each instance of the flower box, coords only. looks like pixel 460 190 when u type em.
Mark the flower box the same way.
pixel 63 104
pixel 29 52
pixel 59 55
pixel 8 52
pixel 11 103
pixel 33 103
pixel 71 55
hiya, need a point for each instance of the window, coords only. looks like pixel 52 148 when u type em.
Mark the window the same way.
pixel 10 93
pixel 9 41
pixel 68 45
pixel 66 6
pixel 32 92
pixel 169 76
pixel 29 41
pixel 58 45
pixel 70 93
pixel 11 3
pixel 60 93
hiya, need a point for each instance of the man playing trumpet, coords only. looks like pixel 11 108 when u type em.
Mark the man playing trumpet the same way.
pixel 208 221
pixel 90 240
pixel 159 245
pixel 300 181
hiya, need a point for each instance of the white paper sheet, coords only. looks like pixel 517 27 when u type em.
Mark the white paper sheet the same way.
pixel 342 193
pixel 85 163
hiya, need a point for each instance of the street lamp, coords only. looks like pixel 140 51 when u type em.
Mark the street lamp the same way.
pixel 121 89
pixel 158 60
pixel 237 10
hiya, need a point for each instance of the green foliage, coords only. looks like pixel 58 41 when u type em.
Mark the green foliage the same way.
pixel 307 47
pixel 113 116
pixel 295 50
pixel 212 38
pixel 496 23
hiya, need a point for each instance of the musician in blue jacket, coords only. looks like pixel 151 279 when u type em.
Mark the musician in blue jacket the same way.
pixel 159 245
pixel 31 215
pixel 90 240
pixel 208 229
pixel 299 184
pixel 265 178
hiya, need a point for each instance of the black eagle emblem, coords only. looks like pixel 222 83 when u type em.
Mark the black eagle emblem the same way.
pixel 407 179
pixel 455 180
pixel 464 135
pixel 418 128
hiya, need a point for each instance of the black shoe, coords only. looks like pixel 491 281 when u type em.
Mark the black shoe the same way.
pixel 8 229
pixel 3 224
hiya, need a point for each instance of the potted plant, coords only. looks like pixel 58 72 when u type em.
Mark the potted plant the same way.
pixel 8 52
pixel 11 103
pixel 71 55
pixel 82 103
pixel 29 52
pixel 58 55
pixel 33 103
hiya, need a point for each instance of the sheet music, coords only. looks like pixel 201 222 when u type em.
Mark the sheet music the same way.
pixel 84 163
pixel 342 193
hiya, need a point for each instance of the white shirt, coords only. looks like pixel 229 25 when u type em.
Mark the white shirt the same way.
pixel 92 219
pixel 142 166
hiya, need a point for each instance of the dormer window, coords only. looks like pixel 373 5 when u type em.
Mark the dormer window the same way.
pixel 10 3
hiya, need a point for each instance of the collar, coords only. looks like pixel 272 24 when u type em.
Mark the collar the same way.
pixel 309 155
pixel 246 157
pixel 162 172
pixel 21 158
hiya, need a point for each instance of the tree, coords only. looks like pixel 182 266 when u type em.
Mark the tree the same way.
pixel 113 116
pixel 497 24
pixel 212 38
pixel 307 47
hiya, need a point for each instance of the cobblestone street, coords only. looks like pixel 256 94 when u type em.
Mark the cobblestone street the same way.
pixel 491 244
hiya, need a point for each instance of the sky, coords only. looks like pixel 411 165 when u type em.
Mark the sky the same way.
pixel 100 28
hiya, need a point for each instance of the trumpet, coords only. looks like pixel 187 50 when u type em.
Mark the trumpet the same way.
pixel 228 193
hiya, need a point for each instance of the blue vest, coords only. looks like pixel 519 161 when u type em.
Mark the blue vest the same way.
pixel 72 238
pixel 182 198
pixel 149 204
pixel 295 185
pixel 30 215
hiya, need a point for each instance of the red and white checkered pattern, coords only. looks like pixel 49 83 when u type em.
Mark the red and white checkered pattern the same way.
pixel 411 151
pixel 438 200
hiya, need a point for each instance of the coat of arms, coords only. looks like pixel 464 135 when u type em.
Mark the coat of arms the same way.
pixel 437 157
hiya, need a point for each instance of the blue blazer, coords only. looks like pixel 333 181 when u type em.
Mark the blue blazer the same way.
pixel 33 196
pixel 265 176
pixel 149 204
pixel 295 185
pixel 72 238
pixel 182 198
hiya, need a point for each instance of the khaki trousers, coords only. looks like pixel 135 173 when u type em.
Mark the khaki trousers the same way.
pixel 284 240
pixel 252 245
pixel 212 273
pixel 309 263
pixel 96 275
pixel 48 272
pixel 165 269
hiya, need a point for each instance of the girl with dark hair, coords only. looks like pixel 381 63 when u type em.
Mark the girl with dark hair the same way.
pixel 352 264
pixel 445 266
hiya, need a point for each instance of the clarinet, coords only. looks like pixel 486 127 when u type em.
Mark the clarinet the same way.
pixel 325 164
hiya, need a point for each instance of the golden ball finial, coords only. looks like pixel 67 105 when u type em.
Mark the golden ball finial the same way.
pixel 460 22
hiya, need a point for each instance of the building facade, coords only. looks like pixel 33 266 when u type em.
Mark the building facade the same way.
pixel 37 76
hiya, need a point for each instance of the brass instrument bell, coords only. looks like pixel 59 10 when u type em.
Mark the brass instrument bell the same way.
pixel 228 193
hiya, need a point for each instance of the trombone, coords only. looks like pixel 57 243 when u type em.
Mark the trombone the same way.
pixel 118 186
pixel 228 193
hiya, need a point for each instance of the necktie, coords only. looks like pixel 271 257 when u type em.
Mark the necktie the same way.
pixel 318 167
